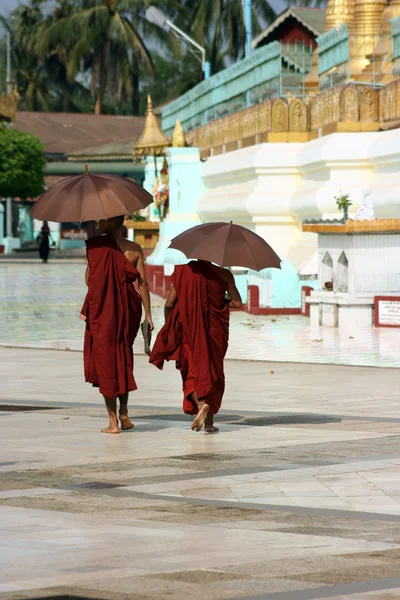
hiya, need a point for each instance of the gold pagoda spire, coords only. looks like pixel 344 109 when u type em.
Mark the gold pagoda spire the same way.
pixel 153 140
pixel 339 11
pixel 367 18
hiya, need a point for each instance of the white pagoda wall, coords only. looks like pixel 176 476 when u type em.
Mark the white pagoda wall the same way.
pixel 273 187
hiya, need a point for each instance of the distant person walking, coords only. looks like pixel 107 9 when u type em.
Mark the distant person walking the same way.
pixel 44 242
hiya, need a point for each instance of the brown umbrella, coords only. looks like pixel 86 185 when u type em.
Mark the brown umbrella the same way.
pixel 227 245
pixel 90 198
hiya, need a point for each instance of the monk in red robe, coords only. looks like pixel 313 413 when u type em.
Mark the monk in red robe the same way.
pixel 195 335
pixel 112 311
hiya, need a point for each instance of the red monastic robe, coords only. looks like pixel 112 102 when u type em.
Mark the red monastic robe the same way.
pixel 195 334
pixel 113 310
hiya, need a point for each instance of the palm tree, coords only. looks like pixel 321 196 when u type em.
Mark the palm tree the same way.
pixel 219 26
pixel 55 58
pixel 28 74
pixel 95 32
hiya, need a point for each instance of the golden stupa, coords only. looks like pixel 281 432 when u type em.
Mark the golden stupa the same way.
pixel 153 141
pixel 368 22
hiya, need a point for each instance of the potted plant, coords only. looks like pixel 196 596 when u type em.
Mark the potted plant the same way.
pixel 343 202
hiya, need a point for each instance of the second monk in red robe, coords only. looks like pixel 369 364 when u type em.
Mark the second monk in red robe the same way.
pixel 195 335
pixel 112 311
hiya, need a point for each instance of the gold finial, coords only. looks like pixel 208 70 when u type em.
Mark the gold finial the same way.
pixel 178 137
pixel 86 169
pixel 153 140
pixel 8 106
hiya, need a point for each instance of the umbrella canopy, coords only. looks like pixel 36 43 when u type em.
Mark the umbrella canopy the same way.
pixel 227 245
pixel 90 198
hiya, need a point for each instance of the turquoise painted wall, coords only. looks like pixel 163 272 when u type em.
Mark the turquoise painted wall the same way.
pixel 249 81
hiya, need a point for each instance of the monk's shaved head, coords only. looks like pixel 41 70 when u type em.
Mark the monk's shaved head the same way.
pixel 110 225
pixel 117 222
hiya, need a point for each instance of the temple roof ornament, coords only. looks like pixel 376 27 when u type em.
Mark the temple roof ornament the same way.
pixel 153 141
pixel 8 106
pixel 178 136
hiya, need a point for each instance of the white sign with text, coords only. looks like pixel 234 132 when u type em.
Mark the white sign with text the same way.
pixel 389 312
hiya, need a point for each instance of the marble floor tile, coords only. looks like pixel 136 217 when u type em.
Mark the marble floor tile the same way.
pixel 52 297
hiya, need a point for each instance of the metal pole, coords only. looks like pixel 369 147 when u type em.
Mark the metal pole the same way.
pixel 205 65
pixel 248 25
pixel 9 202
pixel 9 231
pixel 9 82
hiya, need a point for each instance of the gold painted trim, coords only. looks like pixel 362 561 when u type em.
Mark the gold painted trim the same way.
pixel 351 226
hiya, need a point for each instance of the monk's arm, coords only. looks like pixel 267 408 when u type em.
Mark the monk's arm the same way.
pixel 144 289
pixel 234 294
pixel 87 276
pixel 171 301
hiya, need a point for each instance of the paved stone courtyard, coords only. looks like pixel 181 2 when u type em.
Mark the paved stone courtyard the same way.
pixel 40 304
pixel 297 497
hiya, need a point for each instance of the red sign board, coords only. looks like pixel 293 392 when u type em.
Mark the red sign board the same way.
pixel 387 311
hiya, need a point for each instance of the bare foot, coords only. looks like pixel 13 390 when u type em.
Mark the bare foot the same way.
pixel 111 429
pixel 200 418
pixel 211 429
pixel 126 423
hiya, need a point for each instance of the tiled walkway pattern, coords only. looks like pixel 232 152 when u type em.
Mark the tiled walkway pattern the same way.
pixel 297 509
pixel 40 304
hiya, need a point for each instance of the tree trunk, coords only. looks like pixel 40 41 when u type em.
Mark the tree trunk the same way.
pixel 103 82
pixel 135 86
pixel 66 99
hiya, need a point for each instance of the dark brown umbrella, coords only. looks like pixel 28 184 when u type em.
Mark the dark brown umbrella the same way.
pixel 227 245
pixel 90 197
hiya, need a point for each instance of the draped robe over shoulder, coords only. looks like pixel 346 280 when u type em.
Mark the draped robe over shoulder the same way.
pixel 112 311
pixel 195 334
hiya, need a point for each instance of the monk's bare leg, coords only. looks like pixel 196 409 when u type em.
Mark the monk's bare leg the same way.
pixel 209 424
pixel 111 404
pixel 201 415
pixel 126 423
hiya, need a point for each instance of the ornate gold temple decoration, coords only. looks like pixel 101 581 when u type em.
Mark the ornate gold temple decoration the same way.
pixel 337 12
pixel 178 136
pixel 280 116
pixel 161 191
pixel 389 100
pixel 8 106
pixel 349 104
pixel 354 226
pixel 348 108
pixel 369 105
pixel 153 141
pixel 298 121
pixel 367 18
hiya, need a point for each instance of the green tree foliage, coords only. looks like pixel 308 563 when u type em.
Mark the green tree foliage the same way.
pixel 100 37
pixel 40 78
pixel 22 164
pixel 104 56
pixel 219 26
